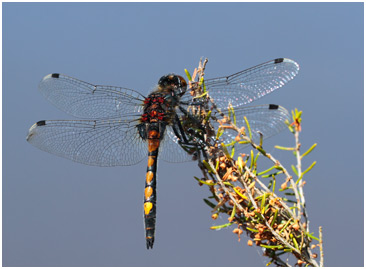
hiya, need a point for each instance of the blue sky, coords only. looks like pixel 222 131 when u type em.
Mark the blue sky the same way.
pixel 60 213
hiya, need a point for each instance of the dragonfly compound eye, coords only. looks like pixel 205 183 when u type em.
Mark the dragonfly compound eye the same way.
pixel 176 82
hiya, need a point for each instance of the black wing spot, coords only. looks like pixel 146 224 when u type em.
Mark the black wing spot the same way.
pixel 279 60
pixel 41 123
pixel 55 75
pixel 271 106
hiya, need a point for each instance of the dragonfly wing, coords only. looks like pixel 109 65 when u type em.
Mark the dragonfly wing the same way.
pixel 267 119
pixel 85 100
pixel 171 150
pixel 251 84
pixel 92 142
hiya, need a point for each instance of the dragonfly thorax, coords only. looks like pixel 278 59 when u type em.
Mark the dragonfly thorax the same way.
pixel 157 107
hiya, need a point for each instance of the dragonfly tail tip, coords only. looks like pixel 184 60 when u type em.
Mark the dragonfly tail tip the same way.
pixel 149 243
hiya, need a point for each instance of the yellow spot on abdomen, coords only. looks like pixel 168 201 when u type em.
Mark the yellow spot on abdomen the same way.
pixel 148 192
pixel 149 176
pixel 150 161
pixel 147 207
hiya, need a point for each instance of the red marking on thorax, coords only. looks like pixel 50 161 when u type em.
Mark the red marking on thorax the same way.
pixel 154 110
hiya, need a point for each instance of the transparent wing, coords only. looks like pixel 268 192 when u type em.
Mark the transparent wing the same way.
pixel 170 150
pixel 93 142
pixel 246 86
pixel 85 100
pixel 267 119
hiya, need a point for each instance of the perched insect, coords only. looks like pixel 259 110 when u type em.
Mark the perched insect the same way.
pixel 120 126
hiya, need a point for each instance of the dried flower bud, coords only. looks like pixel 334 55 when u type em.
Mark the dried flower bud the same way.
pixel 214 216
pixel 250 243
pixel 273 240
pixel 237 231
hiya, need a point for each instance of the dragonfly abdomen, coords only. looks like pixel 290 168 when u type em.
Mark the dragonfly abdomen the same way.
pixel 153 139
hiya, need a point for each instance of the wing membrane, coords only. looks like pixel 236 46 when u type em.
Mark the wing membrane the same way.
pixel 93 142
pixel 85 100
pixel 171 150
pixel 267 119
pixel 251 84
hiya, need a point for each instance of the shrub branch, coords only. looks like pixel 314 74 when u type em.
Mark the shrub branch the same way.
pixel 276 223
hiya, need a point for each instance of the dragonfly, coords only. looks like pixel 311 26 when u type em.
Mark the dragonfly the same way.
pixel 119 126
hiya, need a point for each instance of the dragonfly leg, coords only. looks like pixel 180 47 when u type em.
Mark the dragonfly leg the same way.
pixel 193 144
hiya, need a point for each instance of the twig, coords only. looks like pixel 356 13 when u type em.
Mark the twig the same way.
pixel 257 210
pixel 321 246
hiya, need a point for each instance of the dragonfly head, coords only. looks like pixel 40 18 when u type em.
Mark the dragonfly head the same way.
pixel 175 83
